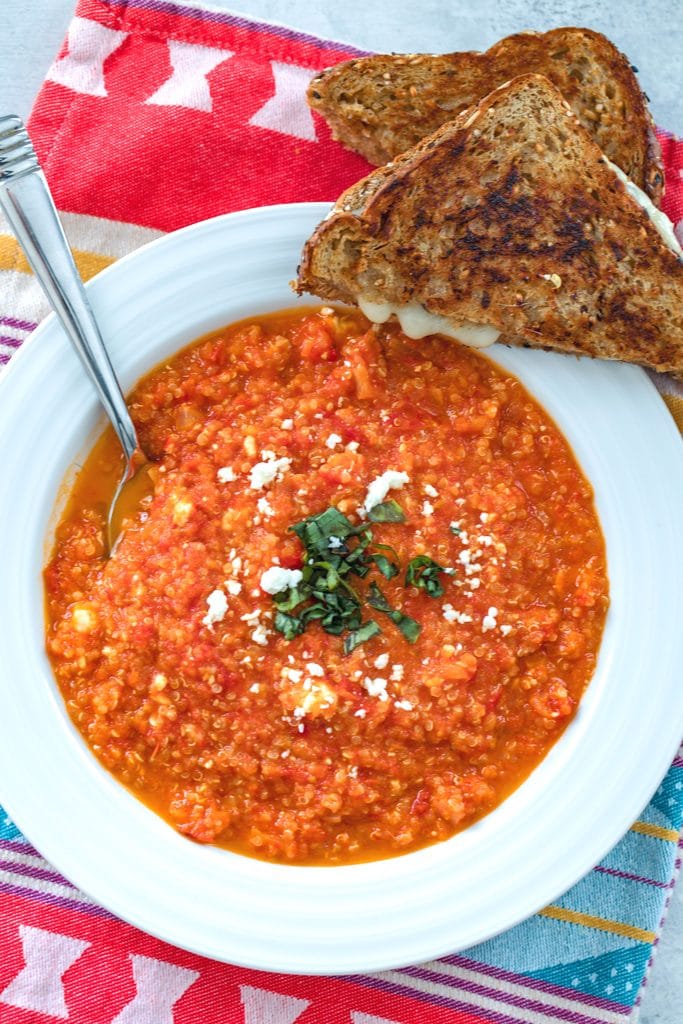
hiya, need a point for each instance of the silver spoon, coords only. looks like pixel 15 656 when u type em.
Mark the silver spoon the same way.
pixel 29 207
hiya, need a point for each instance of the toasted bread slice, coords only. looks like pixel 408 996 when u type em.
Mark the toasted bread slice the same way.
pixel 383 105
pixel 511 218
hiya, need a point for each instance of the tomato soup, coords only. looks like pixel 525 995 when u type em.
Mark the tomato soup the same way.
pixel 362 603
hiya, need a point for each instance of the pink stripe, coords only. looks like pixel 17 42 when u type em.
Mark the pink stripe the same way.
pixel 537 983
pixel 21 325
pixel 4 358
pixel 18 844
pixel 631 878
pixel 448 1003
pixel 556 1012
pixel 56 901
pixel 11 342
pixel 220 18
pixel 30 871
pixel 678 762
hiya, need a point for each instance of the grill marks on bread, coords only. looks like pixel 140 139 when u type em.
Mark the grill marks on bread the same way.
pixel 384 104
pixel 509 216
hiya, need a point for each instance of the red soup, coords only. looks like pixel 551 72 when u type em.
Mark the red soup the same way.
pixel 364 601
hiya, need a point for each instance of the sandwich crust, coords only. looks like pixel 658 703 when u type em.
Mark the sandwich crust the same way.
pixel 380 106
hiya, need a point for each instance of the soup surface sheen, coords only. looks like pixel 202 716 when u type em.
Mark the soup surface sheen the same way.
pixel 168 656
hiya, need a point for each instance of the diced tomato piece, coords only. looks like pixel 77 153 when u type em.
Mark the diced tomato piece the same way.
pixel 315 342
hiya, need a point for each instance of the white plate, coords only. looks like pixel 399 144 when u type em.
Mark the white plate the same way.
pixel 569 813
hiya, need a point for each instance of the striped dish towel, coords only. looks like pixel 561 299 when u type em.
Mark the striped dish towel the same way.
pixel 153 116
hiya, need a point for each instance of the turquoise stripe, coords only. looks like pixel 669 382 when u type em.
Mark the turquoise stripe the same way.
pixel 542 943
pixel 614 976
pixel 643 856
pixel 616 899
pixel 8 830
pixel 668 800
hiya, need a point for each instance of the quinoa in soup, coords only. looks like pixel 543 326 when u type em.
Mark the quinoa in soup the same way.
pixel 362 604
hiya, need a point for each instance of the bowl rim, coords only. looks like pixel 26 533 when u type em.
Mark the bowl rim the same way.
pixel 627 383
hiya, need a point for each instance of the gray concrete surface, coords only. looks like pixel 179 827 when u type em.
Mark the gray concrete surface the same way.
pixel 650 32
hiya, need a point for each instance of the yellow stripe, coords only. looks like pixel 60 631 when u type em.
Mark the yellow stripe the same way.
pixel 675 404
pixel 12 258
pixel 656 831
pixel 601 923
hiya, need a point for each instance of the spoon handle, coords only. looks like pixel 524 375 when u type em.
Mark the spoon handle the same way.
pixel 28 205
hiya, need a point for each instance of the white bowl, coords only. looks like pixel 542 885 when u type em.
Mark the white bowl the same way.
pixel 552 830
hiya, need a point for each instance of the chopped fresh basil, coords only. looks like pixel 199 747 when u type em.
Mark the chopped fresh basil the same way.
pixel 315 531
pixel 289 625
pixel 358 636
pixel 334 551
pixel 387 512
pixel 455 529
pixel 423 573
pixel 388 568
pixel 409 627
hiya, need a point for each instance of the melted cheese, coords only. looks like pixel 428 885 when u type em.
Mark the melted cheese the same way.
pixel 416 322
pixel 660 221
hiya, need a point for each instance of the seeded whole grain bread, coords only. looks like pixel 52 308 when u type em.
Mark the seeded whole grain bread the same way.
pixel 509 216
pixel 384 104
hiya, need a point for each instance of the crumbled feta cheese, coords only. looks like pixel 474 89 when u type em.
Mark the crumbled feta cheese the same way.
pixel 506 630
pixel 396 673
pixel 251 617
pixel 255 688
pixel 353 446
pixel 334 542
pixel 451 615
pixel 483 517
pixel 83 619
pixel 474 583
pixel 236 563
pixel 287 425
pixel 225 475
pixel 233 587
pixel 333 440
pixel 485 540
pixel 380 487
pixel 376 687
pixel 182 510
pixel 430 491
pixel 264 507
pixel 293 674
pixel 455 524
pixel 260 635
pixel 276 579
pixel 315 670
pixel 284 754
pixel 361 713
pixel 353 771
pixel 427 508
pixel 489 621
pixel 264 473
pixel 404 705
pixel 381 661
pixel 217 604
